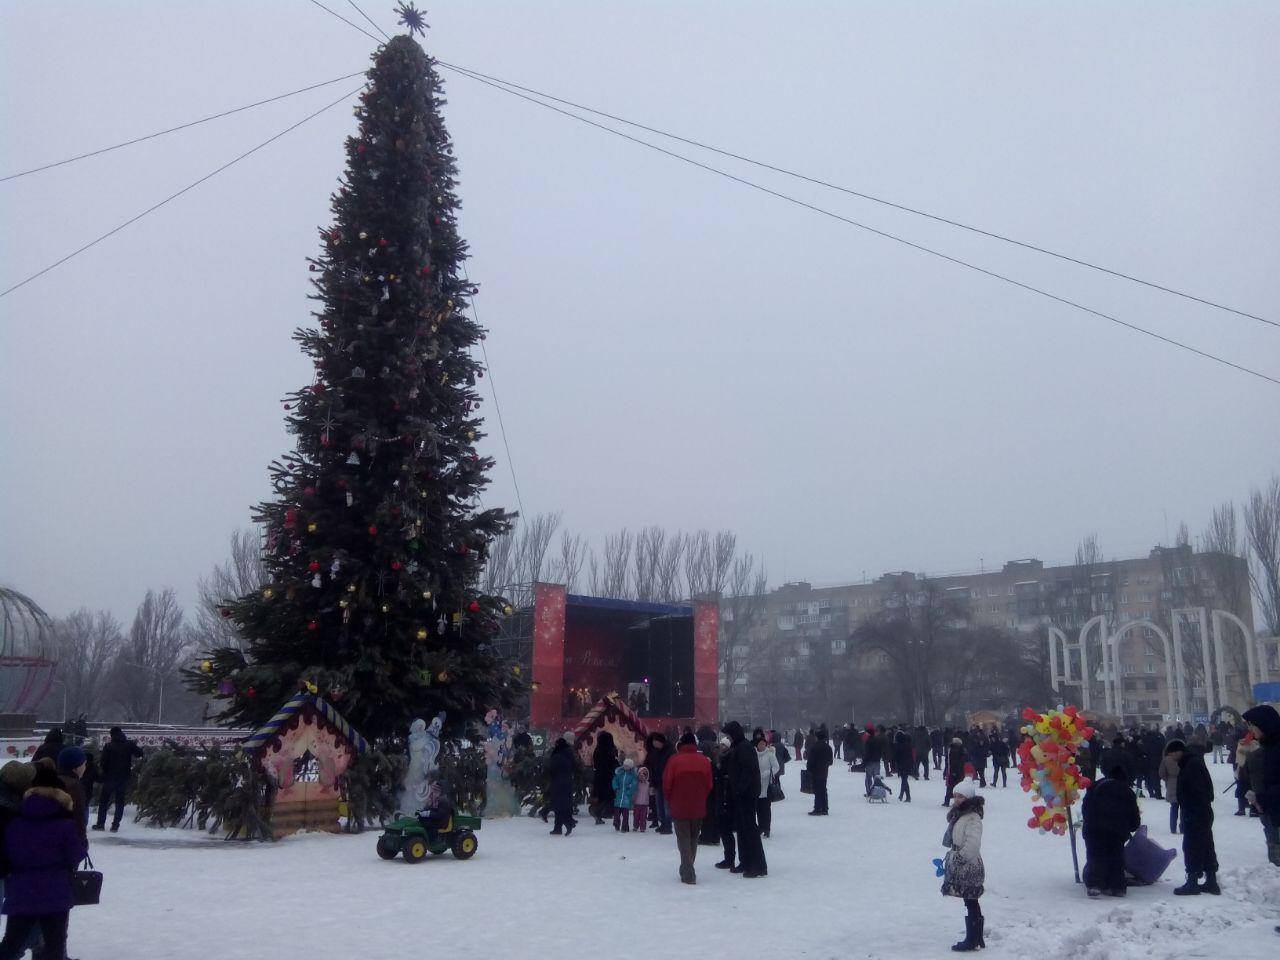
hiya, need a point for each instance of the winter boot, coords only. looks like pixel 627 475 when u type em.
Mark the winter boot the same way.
pixel 1190 888
pixel 978 924
pixel 968 943
pixel 568 827
pixel 1210 884
pixel 1273 853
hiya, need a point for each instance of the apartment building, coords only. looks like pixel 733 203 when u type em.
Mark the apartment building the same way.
pixel 804 628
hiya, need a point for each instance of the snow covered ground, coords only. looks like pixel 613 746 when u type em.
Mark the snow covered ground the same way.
pixel 857 884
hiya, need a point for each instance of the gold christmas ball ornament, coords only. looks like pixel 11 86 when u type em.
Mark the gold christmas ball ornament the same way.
pixel 422 633
pixel 363 235
pixel 508 610
pixel 206 666
pixel 471 434
pixel 426 594
pixel 344 604
pixel 312 688
pixel 311 528
pixel 351 588
pixel 386 608
pixel 268 593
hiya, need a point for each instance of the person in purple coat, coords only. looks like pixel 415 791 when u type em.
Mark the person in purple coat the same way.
pixel 43 846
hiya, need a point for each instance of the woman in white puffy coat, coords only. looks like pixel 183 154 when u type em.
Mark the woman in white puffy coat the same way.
pixel 963 867
pixel 768 758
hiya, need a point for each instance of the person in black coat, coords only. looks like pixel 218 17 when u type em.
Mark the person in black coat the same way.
pixel 744 791
pixel 52 746
pixel 710 831
pixel 818 763
pixel 978 753
pixel 560 769
pixel 657 751
pixel 904 762
pixel 115 767
pixel 956 755
pixel 1111 816
pixel 999 761
pixel 604 761
pixel 1195 802
pixel 723 794
pixel 1153 742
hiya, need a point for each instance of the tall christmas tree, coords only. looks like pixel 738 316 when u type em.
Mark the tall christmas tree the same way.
pixel 374 545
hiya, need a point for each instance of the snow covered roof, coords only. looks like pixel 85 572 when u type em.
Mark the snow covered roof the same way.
pixel 294 707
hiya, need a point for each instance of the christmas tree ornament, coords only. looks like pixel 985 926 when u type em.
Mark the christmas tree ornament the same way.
pixel 313 566
pixel 396 565
pixel 351 588
pixel 357 373
pixel 226 612
pixel 312 625
pixel 386 608
pixel 422 633
pixel 474 606
pixel 350 499
pixel 251 692
pixel 316 581
pixel 268 593
pixel 353 460
pixel 426 594
pixel 312 528
pixel 206 666
pixel 373 530
pixel 441 624
pixel 344 603
pixel 508 610
pixel 335 567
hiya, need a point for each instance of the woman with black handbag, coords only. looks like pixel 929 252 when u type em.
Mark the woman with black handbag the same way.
pixel 44 846
pixel 768 761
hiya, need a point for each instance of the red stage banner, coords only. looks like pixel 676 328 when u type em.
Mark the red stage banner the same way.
pixel 706 662
pixel 548 655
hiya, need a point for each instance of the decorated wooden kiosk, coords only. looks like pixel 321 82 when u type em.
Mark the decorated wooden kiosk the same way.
pixel 613 716
pixel 303 750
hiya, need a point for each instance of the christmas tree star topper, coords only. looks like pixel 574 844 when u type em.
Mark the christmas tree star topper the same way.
pixel 412 18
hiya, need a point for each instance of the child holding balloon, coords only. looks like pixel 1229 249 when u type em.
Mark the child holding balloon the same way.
pixel 964 873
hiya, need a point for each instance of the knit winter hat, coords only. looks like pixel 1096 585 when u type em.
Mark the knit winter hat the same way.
pixel 17 774
pixel 965 788
pixel 69 758
pixel 629 763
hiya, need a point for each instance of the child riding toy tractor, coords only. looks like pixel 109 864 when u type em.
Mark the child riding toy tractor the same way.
pixel 412 837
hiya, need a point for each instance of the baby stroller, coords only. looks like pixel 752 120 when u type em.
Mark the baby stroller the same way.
pixel 879 792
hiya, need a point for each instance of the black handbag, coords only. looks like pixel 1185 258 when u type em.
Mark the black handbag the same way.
pixel 806 781
pixel 775 791
pixel 86 885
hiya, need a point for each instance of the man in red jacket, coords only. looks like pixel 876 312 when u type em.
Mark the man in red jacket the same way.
pixel 686 783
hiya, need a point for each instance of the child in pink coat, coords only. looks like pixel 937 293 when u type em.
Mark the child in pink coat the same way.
pixel 641 801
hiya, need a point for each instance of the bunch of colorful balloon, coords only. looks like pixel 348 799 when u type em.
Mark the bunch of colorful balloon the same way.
pixel 1047 762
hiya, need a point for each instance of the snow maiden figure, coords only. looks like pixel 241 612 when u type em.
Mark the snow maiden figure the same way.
pixel 424 747
pixel 500 797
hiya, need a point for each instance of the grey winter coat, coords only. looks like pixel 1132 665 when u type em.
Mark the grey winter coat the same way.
pixel 965 873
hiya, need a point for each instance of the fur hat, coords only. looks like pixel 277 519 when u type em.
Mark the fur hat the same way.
pixel 957 742
pixel 629 763
pixel 965 788
pixel 17 774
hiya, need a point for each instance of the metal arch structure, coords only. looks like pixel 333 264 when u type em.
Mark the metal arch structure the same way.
pixel 1212 630
pixel 1058 677
pixel 26 675
pixel 1172 662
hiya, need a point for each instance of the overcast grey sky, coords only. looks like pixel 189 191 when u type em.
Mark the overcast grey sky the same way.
pixel 668 347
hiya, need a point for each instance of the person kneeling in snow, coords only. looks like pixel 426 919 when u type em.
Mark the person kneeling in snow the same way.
pixel 1110 817
pixel 964 870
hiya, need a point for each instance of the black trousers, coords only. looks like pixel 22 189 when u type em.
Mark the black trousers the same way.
pixel 1104 859
pixel 750 849
pixel 973 908
pixel 764 814
pixel 923 761
pixel 905 789
pixel 937 758
pixel 727 839
pixel 52 925
pixel 819 780
pixel 111 789
pixel 1198 853
pixel 998 771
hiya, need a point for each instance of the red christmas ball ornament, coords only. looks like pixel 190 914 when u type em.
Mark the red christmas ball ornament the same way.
pixel 373 530
pixel 359 148
pixel 314 566
pixel 312 625
pixel 426 269
pixel 396 565
pixel 475 606
pixel 251 692
pixel 226 612
pixel 309 491
pixel 318 388
pixel 382 242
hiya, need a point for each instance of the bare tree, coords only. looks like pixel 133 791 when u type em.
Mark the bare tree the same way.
pixel 572 557
pixel 86 644
pixel 242 573
pixel 148 659
pixel 670 586
pixel 646 561
pixel 1228 590
pixel 610 577
pixel 1262 529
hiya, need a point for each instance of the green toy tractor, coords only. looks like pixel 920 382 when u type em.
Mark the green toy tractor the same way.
pixel 407 835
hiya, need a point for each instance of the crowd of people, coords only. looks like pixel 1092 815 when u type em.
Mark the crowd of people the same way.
pixel 717 789
pixel 44 829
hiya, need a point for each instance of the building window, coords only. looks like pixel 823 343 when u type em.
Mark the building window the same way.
pixel 1149 668
pixel 1149 684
